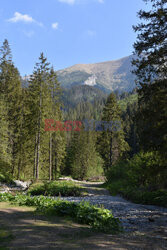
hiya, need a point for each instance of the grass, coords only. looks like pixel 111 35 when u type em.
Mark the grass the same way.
pixel 23 227
pixel 56 188
pixel 99 219
pixel 5 235
pixel 45 232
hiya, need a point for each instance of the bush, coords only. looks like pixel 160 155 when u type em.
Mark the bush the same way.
pixel 56 188
pixel 143 170
pixel 98 218
pixel 141 179
pixel 6 178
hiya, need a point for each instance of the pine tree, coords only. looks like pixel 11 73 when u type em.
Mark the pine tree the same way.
pixel 57 138
pixel 150 69
pixel 111 143
pixel 83 161
pixel 5 149
pixel 10 88
pixel 44 102
pixel 38 94
pixel 130 127
pixel 151 44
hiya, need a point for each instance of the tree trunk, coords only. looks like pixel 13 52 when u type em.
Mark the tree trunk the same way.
pixel 50 157
pixel 111 151
pixel 39 134
pixel 19 168
pixel 35 155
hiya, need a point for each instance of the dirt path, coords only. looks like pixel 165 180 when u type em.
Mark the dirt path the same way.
pixel 39 232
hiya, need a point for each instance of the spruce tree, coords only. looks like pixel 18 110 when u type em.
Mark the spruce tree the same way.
pixel 44 102
pixel 37 91
pixel 83 161
pixel 150 69
pixel 151 44
pixel 10 87
pixel 111 143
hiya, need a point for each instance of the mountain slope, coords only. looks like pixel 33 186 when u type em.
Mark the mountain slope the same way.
pixel 108 76
pixel 82 94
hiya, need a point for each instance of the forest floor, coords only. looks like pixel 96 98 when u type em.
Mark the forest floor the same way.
pixel 145 226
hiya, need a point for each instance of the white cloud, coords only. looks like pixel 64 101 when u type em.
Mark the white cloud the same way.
pixel 55 25
pixel 90 33
pixel 68 1
pixel 29 34
pixel 72 2
pixel 18 17
pixel 87 34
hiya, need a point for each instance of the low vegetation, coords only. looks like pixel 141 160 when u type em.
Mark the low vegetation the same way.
pixel 56 188
pixel 139 179
pixel 99 219
pixel 6 178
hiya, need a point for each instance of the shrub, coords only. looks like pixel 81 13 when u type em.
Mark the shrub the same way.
pixel 6 178
pixel 143 170
pixel 141 179
pixel 56 188
pixel 98 218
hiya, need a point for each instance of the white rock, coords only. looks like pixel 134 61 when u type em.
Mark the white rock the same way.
pixel 22 184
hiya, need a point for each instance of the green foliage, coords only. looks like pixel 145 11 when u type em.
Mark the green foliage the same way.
pixel 158 197
pixel 98 218
pixel 150 69
pixel 151 49
pixel 10 110
pixel 151 116
pixel 56 188
pixel 5 235
pixel 130 127
pixel 82 159
pixel 26 149
pixel 47 148
pixel 6 178
pixel 111 144
pixel 139 179
pixel 141 171
pixel 123 103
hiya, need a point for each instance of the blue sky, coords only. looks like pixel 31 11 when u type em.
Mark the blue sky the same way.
pixel 68 31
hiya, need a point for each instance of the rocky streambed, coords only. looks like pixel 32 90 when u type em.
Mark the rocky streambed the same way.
pixel 15 186
pixel 137 218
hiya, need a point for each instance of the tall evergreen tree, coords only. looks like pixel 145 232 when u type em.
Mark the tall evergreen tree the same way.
pixel 150 69
pixel 130 127
pixel 10 87
pixel 38 94
pixel 111 143
pixel 5 149
pixel 57 141
pixel 83 161
pixel 151 44
pixel 44 102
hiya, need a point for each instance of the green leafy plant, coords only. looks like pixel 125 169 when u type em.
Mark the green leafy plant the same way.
pixel 140 179
pixel 56 188
pixel 6 178
pixel 98 218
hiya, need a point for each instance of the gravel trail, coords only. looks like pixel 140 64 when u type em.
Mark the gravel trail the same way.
pixel 134 217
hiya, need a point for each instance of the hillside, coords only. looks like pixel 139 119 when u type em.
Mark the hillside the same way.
pixel 108 76
pixel 79 94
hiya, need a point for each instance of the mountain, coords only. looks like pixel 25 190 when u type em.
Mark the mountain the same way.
pixel 107 76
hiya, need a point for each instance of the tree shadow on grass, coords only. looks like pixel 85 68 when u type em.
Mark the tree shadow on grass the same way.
pixel 31 231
